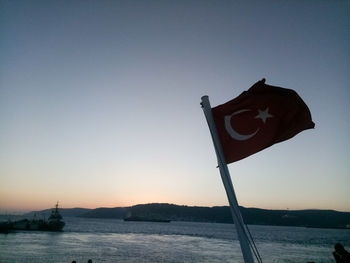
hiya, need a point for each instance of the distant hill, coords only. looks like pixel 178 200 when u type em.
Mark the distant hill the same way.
pixel 218 214
pixel 103 212
pixel 65 212
pixel 307 218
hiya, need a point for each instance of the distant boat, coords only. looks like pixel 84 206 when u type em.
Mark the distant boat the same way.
pixel 145 219
pixel 54 223
pixel 5 227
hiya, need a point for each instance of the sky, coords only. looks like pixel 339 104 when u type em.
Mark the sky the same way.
pixel 100 102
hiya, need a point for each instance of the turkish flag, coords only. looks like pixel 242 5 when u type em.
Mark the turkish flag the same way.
pixel 258 118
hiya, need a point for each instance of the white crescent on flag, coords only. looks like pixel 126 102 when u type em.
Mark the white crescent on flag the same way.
pixel 234 134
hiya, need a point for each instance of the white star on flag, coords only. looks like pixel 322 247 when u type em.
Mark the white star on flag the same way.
pixel 263 115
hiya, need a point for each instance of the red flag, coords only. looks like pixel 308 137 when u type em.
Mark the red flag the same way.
pixel 258 118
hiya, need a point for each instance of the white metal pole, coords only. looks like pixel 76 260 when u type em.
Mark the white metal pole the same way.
pixel 226 179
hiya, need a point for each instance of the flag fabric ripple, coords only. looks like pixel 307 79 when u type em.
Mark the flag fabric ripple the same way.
pixel 258 118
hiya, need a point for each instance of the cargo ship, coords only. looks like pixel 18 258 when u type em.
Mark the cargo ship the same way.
pixel 145 219
pixel 54 223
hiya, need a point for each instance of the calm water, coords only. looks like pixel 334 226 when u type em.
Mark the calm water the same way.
pixel 105 240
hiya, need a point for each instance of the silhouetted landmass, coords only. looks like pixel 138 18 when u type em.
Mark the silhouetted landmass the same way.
pixel 103 212
pixel 219 214
pixel 65 212
pixel 307 218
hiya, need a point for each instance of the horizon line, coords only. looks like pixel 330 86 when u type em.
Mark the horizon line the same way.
pixel 161 203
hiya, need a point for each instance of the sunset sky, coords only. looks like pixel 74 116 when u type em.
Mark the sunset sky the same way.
pixel 100 101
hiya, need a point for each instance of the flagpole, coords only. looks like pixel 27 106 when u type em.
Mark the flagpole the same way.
pixel 226 179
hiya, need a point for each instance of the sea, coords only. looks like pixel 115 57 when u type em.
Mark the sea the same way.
pixel 112 240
